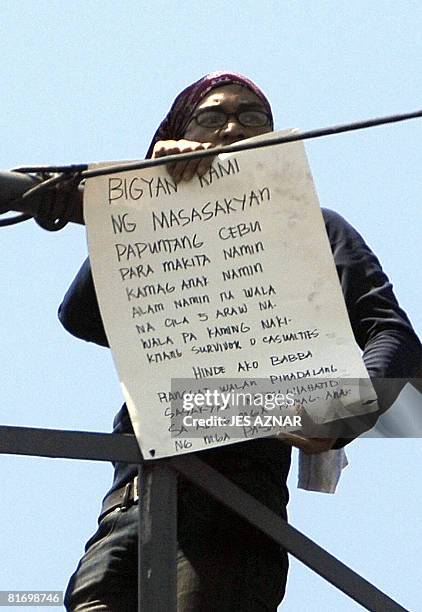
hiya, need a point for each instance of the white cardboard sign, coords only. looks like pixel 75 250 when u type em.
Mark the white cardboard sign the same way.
pixel 229 276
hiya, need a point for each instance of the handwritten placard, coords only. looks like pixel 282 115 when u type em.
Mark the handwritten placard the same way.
pixel 226 277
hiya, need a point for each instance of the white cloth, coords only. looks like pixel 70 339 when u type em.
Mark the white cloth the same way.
pixel 321 472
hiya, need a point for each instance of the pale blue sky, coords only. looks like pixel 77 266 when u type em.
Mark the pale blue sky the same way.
pixel 89 81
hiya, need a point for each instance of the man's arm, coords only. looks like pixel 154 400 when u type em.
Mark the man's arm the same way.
pixel 79 312
pixel 391 349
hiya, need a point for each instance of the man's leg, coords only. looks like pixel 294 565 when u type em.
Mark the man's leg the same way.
pixel 106 577
pixel 223 563
pixel 230 576
pixel 217 569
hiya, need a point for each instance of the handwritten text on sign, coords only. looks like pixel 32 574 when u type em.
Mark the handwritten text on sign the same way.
pixel 229 276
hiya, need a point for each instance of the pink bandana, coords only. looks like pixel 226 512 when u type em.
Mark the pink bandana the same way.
pixel 174 124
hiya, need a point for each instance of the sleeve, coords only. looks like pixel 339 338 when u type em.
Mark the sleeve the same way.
pixel 391 350
pixel 79 312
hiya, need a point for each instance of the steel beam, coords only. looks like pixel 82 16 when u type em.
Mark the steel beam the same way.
pixel 157 543
pixel 69 444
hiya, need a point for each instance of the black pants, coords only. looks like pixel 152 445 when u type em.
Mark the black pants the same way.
pixel 223 563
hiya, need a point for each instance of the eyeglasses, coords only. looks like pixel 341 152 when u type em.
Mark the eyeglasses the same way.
pixel 217 118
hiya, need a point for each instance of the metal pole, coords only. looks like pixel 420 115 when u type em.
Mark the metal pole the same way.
pixel 89 445
pixel 13 185
pixel 157 542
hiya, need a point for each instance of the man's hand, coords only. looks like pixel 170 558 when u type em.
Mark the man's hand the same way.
pixel 183 171
pixel 310 446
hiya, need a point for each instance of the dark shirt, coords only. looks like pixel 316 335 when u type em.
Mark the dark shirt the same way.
pixel 391 350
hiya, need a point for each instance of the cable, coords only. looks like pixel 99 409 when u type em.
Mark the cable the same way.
pixel 13 220
pixel 243 146
pixel 80 171
pixel 51 169
pixel 46 216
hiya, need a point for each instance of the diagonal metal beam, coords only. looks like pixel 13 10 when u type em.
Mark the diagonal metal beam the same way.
pixel 300 546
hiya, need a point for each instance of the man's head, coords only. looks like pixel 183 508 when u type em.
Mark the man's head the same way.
pixel 227 92
pixel 227 114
